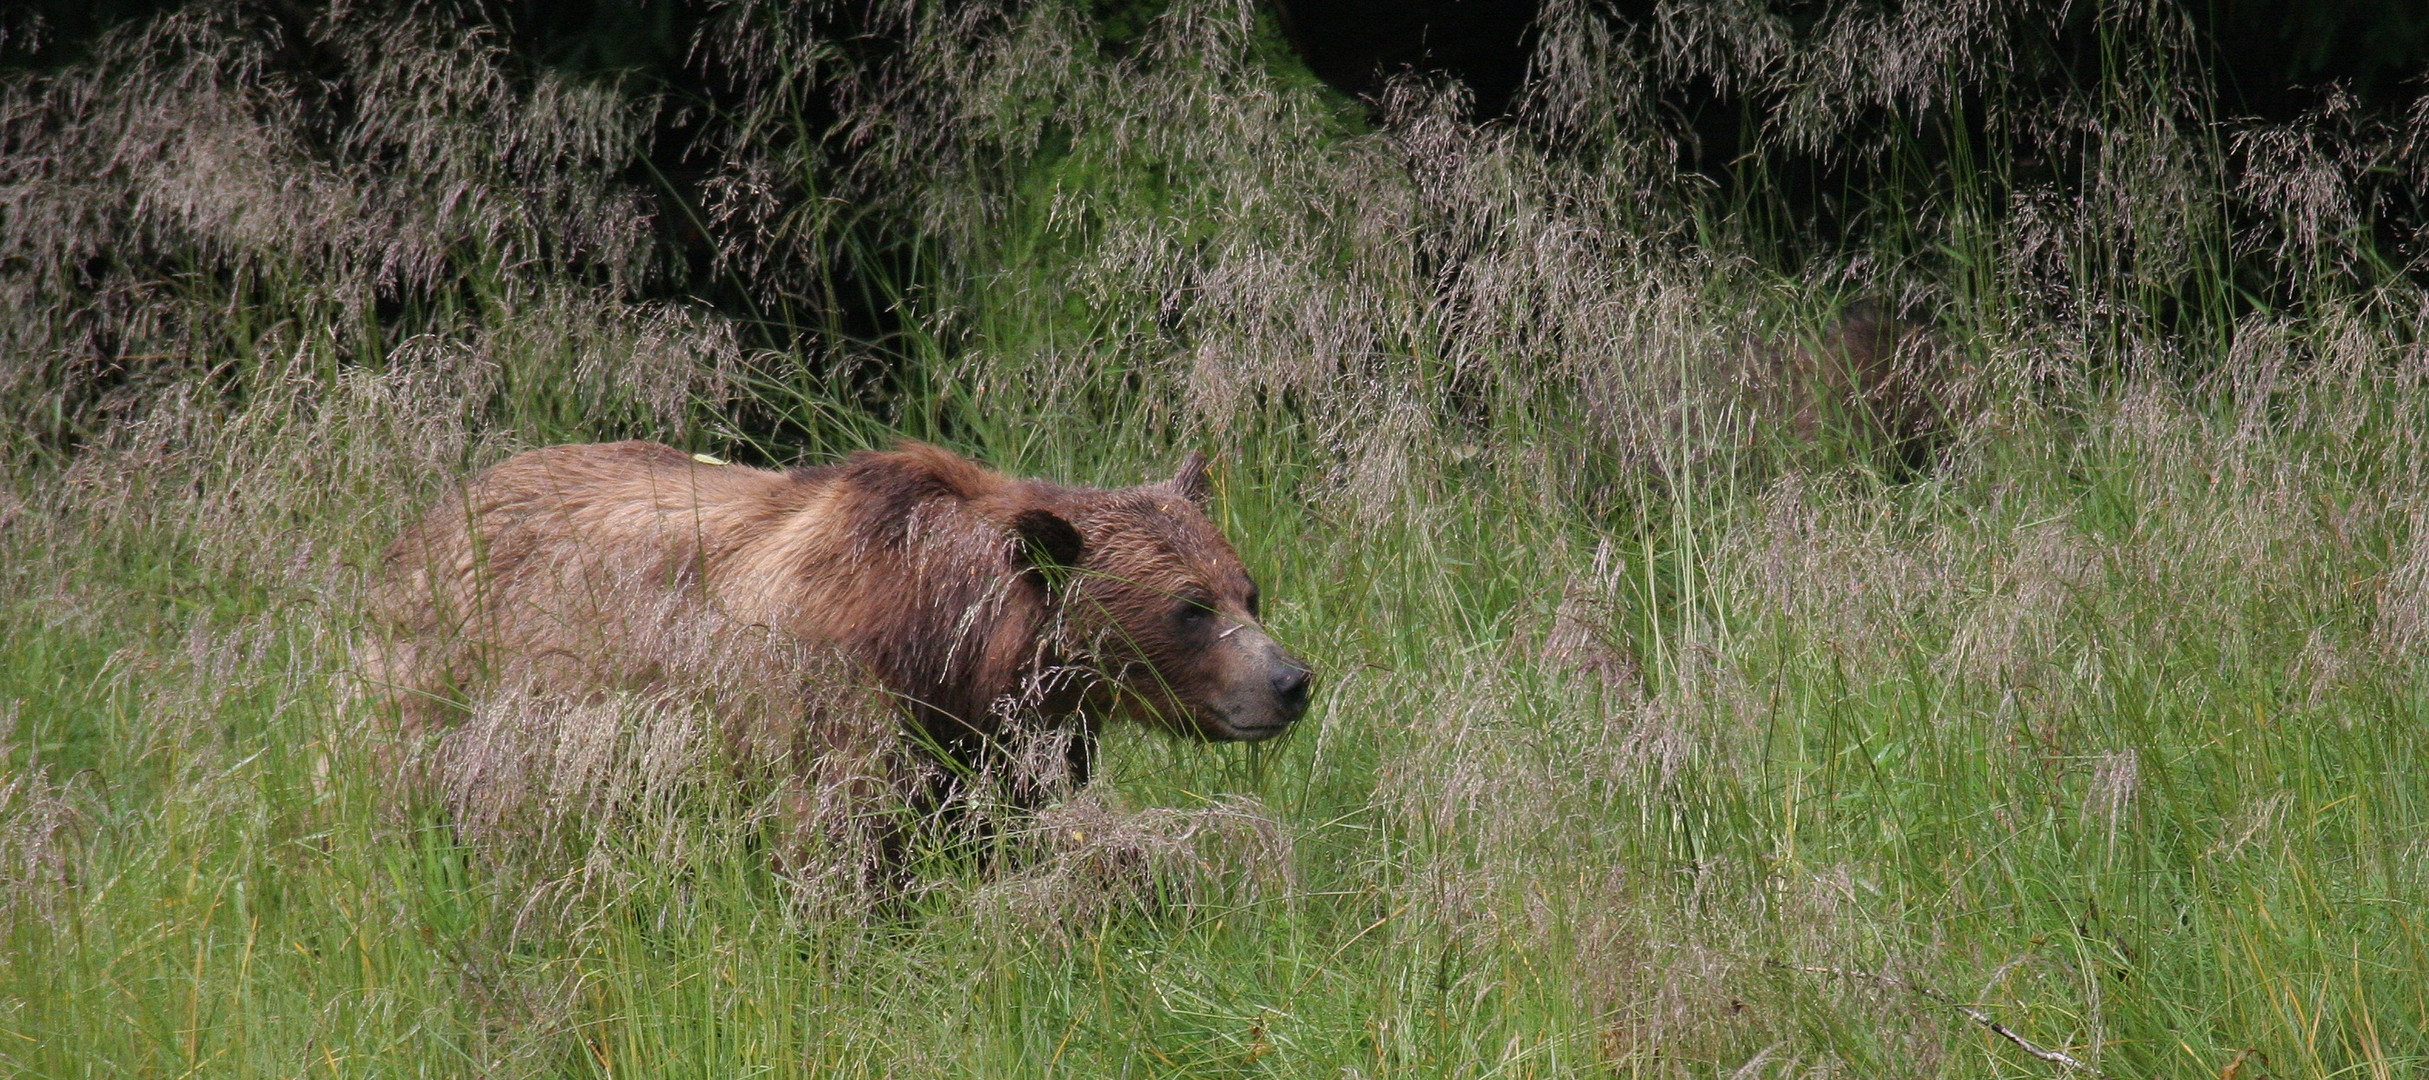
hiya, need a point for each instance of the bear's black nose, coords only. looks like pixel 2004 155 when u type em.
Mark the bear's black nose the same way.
pixel 1290 685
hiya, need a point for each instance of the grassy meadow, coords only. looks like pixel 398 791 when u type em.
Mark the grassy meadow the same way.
pixel 1680 711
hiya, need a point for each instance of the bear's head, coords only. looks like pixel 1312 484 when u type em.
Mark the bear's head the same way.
pixel 1168 611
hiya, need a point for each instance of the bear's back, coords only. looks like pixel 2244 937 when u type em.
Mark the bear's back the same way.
pixel 632 486
pixel 570 556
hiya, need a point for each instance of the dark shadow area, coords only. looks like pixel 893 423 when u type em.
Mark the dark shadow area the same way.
pixel 838 306
pixel 43 35
pixel 1358 45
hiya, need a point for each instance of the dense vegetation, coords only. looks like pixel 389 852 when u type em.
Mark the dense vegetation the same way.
pixel 1967 561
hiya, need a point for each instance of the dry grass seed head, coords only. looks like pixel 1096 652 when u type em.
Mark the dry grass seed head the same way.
pixel 38 829
pixel 1586 634
pixel 1088 861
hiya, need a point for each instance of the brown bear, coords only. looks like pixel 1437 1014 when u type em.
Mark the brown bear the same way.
pixel 995 610
pixel 1880 378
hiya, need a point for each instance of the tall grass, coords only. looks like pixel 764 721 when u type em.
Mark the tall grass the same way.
pixel 1677 714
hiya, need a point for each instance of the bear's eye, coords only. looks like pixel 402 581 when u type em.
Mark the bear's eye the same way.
pixel 1252 603
pixel 1193 613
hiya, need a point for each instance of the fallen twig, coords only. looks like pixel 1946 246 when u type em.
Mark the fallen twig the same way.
pixel 2058 1057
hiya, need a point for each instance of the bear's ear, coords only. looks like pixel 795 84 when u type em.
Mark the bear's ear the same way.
pixel 1046 544
pixel 1191 482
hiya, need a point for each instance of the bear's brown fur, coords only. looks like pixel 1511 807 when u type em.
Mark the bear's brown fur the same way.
pixel 993 609
pixel 1874 376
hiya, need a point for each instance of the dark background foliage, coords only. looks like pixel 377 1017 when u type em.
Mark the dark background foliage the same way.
pixel 2268 61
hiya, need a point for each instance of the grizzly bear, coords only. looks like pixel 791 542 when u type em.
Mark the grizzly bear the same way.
pixel 1882 379
pixel 996 612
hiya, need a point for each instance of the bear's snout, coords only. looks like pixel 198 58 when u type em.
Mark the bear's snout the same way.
pixel 1290 688
pixel 1265 690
